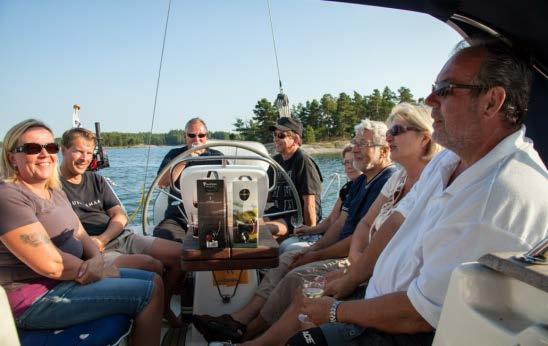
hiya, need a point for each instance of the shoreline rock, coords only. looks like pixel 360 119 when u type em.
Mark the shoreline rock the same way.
pixel 318 148
pixel 335 147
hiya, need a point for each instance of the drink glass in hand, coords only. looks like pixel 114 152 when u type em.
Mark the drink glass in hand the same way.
pixel 313 286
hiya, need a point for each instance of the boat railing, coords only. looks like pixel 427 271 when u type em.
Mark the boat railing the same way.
pixel 537 255
pixel 334 177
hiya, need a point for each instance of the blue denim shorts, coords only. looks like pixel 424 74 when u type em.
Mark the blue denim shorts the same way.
pixel 341 334
pixel 70 303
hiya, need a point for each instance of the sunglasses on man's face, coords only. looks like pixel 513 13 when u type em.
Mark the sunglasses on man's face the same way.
pixel 396 130
pixel 35 148
pixel 193 135
pixel 445 88
pixel 280 135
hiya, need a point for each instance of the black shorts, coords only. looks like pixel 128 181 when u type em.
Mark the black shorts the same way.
pixel 339 334
pixel 169 229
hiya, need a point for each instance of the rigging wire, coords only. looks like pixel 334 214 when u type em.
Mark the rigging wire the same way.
pixel 281 102
pixel 274 44
pixel 153 112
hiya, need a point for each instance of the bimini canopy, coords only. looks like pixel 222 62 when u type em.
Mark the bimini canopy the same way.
pixel 520 22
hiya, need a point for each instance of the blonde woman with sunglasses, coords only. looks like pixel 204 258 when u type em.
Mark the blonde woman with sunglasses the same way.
pixel 52 271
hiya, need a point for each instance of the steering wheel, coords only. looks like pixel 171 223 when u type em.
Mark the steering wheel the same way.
pixel 186 157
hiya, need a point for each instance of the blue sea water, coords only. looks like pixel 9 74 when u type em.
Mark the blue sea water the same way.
pixel 128 166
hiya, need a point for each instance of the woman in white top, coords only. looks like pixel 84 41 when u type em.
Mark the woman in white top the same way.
pixel 411 146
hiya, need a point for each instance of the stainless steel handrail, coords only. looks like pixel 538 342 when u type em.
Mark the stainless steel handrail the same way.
pixel 537 255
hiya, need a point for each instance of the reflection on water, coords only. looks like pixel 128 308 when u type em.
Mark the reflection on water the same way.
pixel 127 171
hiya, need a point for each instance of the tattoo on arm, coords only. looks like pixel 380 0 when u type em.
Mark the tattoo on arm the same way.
pixel 35 239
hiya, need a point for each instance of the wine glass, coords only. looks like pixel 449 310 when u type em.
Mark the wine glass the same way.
pixel 313 286
pixel 193 224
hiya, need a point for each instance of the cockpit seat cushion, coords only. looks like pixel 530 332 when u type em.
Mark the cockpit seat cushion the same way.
pixel 109 330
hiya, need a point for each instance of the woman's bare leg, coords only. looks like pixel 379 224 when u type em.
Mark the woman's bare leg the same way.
pixel 147 326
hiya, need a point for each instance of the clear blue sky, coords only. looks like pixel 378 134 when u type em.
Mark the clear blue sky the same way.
pixel 104 55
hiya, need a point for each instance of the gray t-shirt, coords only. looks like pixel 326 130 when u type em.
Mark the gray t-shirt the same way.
pixel 19 207
pixel 91 199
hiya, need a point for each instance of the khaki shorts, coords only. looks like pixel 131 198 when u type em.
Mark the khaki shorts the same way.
pixel 127 243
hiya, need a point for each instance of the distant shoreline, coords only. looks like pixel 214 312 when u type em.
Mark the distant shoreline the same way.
pixel 334 147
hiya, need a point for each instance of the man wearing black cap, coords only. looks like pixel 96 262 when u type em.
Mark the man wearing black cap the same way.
pixel 304 173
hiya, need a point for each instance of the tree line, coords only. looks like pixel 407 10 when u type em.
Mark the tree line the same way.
pixel 329 118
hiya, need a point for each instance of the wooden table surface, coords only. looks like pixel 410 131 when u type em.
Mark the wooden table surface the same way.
pixel 263 256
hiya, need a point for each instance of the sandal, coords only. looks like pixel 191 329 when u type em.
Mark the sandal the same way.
pixel 219 328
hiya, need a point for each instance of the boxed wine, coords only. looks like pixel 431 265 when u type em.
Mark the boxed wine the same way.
pixel 212 231
pixel 245 214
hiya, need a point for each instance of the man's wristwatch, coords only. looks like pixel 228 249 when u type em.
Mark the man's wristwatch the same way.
pixel 333 311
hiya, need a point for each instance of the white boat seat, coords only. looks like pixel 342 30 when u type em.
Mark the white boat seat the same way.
pixel 8 333
pixel 486 307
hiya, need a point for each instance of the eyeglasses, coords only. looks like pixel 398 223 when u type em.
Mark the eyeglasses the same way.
pixel 362 145
pixel 346 162
pixel 35 148
pixel 445 88
pixel 396 130
pixel 193 135
pixel 280 135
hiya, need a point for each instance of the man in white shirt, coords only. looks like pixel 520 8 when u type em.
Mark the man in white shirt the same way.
pixel 486 193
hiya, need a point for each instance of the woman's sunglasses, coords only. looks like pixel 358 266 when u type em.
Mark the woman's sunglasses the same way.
pixel 35 148
pixel 396 130
pixel 193 135
pixel 280 135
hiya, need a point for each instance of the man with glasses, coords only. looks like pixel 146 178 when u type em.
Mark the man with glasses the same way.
pixel 304 173
pixel 486 193
pixel 174 225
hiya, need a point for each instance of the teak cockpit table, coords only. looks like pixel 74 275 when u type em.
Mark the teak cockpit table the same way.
pixel 263 256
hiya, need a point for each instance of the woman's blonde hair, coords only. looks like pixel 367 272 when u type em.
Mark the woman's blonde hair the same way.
pixel 8 173
pixel 418 116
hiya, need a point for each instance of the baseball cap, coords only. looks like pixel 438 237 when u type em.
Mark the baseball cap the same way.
pixel 288 124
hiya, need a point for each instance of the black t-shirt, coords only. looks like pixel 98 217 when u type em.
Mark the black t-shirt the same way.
pixel 343 192
pixel 307 178
pixel 90 200
pixel 172 211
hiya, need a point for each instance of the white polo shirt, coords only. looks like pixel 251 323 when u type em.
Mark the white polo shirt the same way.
pixel 498 204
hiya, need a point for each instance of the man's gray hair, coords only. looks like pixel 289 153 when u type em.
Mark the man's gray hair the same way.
pixel 195 120
pixel 377 127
